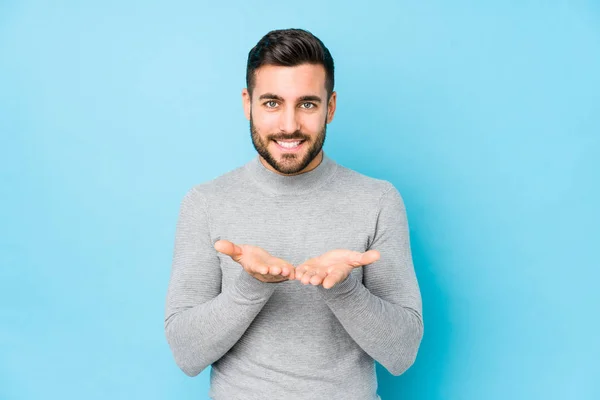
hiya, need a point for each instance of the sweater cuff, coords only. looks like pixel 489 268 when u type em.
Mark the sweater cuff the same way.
pixel 251 288
pixel 340 289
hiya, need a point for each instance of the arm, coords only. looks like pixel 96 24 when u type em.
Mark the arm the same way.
pixel 383 316
pixel 201 322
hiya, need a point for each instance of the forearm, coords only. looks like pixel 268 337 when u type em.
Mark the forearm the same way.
pixel 390 333
pixel 200 335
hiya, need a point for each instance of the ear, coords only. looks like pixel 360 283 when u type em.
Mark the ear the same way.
pixel 246 102
pixel 331 107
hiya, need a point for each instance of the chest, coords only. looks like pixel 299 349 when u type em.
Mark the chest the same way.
pixel 292 229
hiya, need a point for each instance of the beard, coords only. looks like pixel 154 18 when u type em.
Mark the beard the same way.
pixel 291 163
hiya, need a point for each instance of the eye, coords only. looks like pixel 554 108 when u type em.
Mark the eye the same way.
pixel 270 104
pixel 309 105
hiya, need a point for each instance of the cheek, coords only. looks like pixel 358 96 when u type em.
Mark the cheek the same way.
pixel 313 123
pixel 265 122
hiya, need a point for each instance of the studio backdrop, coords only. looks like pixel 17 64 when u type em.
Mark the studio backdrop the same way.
pixel 484 115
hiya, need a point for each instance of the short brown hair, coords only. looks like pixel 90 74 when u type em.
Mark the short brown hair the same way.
pixel 288 48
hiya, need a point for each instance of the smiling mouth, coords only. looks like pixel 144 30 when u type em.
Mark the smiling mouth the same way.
pixel 289 144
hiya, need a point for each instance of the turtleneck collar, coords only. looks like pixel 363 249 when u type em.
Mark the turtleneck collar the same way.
pixel 275 183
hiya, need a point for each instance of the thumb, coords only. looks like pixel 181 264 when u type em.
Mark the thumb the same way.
pixel 367 257
pixel 228 248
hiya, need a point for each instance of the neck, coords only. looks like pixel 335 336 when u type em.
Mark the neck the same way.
pixel 316 174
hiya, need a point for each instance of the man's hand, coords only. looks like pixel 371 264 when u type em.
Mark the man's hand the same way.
pixel 333 267
pixel 257 262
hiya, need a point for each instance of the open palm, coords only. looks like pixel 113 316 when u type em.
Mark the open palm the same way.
pixel 333 267
pixel 257 261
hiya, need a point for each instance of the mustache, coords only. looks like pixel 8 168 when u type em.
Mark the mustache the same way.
pixel 293 136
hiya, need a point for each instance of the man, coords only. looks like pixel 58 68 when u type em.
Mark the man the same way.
pixel 291 274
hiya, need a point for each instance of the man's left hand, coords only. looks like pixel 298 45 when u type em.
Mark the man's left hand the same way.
pixel 333 267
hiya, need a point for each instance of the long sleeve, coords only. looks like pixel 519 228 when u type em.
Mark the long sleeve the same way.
pixel 383 314
pixel 201 322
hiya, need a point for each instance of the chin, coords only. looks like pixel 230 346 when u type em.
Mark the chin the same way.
pixel 290 166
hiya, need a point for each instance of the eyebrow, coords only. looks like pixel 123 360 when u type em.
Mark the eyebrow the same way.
pixel 271 96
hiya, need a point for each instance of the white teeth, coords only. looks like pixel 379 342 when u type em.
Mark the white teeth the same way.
pixel 288 145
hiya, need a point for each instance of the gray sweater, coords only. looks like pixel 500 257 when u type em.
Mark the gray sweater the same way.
pixel 288 340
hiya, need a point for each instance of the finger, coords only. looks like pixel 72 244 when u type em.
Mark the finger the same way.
pixel 228 248
pixel 292 271
pixel 357 259
pixel 299 272
pixel 333 277
pixel 318 278
pixel 259 269
pixel 370 257
pixel 307 276
pixel 287 270
pixel 275 270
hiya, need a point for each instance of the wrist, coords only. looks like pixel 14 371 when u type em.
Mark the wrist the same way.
pixel 251 287
pixel 340 289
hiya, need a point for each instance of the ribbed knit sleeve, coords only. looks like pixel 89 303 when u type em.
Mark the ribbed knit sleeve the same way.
pixel 384 315
pixel 201 322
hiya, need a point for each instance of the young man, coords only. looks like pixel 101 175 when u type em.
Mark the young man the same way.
pixel 291 274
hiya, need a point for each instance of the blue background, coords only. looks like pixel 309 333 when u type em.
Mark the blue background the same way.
pixel 485 115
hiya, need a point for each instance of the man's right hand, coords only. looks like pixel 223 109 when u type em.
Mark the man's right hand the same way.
pixel 257 262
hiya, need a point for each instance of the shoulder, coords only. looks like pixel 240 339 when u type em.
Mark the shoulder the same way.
pixel 216 187
pixel 357 182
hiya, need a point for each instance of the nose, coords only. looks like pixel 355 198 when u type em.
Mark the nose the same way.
pixel 288 121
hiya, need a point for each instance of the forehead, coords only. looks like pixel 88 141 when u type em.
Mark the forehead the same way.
pixel 290 82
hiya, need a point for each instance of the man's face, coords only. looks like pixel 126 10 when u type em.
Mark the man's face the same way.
pixel 289 105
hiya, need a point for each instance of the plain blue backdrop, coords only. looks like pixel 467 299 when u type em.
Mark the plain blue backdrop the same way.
pixel 484 115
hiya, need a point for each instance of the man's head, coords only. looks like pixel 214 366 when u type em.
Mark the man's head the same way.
pixel 289 96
